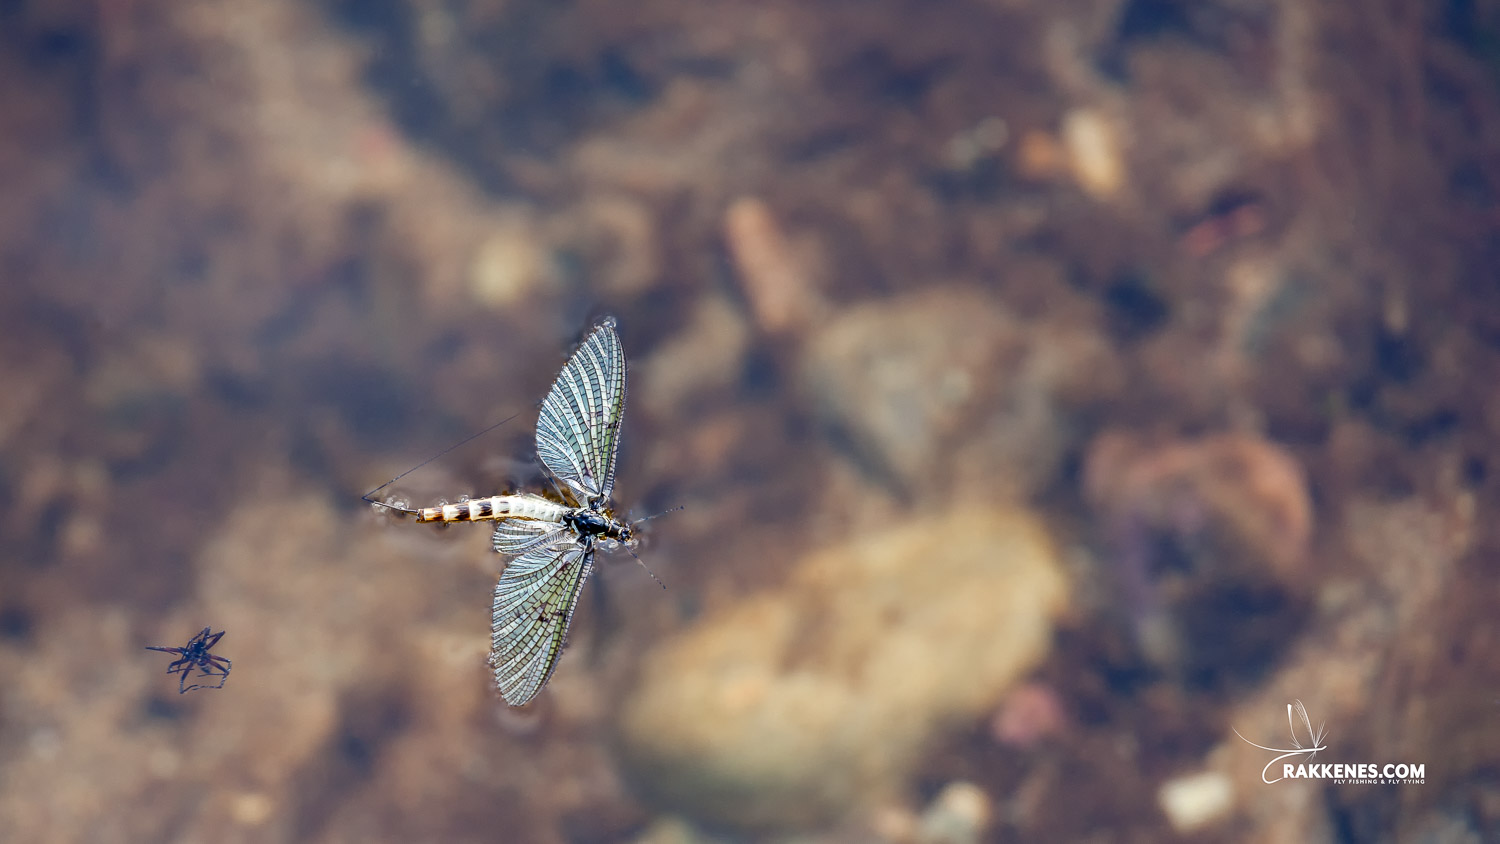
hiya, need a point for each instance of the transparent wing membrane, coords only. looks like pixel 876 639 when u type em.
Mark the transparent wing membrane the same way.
pixel 515 537
pixel 578 429
pixel 534 603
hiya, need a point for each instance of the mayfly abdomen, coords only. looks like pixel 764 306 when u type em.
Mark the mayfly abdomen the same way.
pixel 524 506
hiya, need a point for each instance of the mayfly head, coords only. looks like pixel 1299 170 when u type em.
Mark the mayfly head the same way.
pixel 626 536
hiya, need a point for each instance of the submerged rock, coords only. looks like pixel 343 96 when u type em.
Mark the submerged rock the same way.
pixel 1208 542
pixel 793 706
pixel 947 389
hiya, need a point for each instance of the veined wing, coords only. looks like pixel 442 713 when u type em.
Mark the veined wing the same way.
pixel 534 603
pixel 578 430
pixel 521 536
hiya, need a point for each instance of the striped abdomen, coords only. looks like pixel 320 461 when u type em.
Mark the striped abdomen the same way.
pixel 496 507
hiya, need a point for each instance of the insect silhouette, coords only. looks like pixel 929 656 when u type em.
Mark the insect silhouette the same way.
pixel 551 540
pixel 195 654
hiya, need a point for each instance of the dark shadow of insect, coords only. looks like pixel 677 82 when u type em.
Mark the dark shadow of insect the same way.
pixel 195 654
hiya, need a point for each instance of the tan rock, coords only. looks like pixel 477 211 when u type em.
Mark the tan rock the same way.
pixel 794 706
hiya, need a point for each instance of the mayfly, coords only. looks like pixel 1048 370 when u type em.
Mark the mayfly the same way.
pixel 551 541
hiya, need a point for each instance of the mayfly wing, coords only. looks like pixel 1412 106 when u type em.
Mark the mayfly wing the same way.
pixel 515 537
pixel 534 603
pixel 578 430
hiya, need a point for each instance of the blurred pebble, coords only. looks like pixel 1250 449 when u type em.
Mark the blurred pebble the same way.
pixel 946 388
pixel 969 147
pixel 781 291
pixel 1193 528
pixel 960 814
pixel 1029 714
pixel 902 376
pixel 510 266
pixel 1041 157
pixel 1248 486
pixel 251 808
pixel 673 830
pixel 762 714
pixel 1244 218
pixel 708 353
pixel 1094 152
pixel 164 762
pixel 894 824
pixel 82 535
pixel 1195 801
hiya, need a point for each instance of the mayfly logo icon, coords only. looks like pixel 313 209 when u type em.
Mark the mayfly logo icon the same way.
pixel 1294 711
pixel 1307 745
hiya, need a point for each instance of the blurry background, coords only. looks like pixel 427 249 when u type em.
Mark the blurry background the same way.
pixel 1053 388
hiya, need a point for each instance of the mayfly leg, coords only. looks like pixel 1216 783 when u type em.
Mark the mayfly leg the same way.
pixel 407 511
